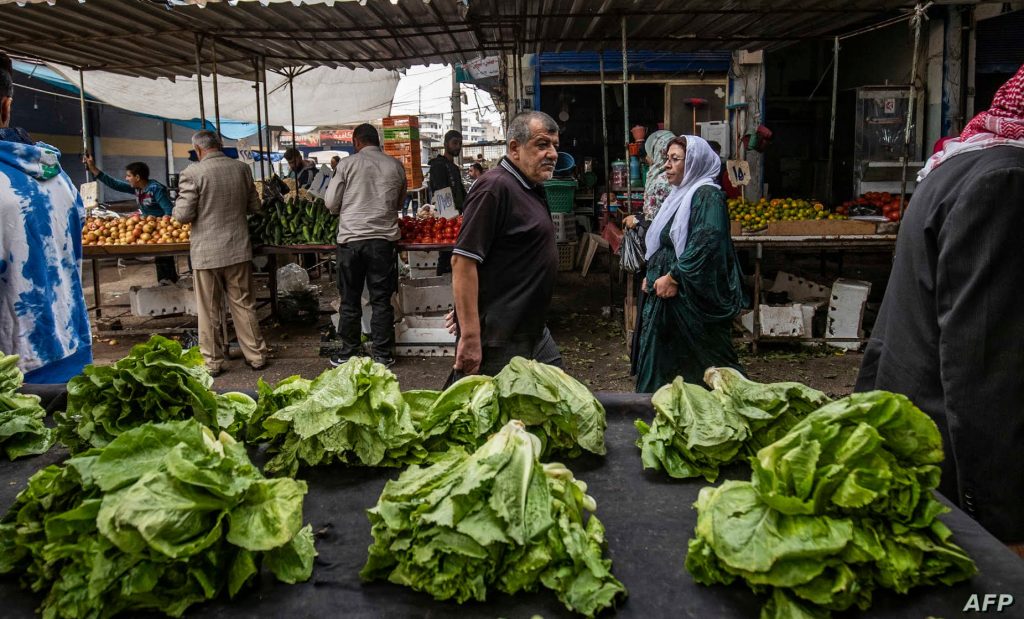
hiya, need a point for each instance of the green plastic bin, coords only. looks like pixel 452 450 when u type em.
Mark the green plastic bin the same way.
pixel 561 195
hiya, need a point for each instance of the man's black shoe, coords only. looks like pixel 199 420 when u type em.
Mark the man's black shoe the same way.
pixel 385 361
pixel 337 360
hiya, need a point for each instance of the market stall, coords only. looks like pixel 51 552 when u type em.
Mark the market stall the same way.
pixel 649 520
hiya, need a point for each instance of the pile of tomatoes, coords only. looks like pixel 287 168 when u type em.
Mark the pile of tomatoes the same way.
pixel 430 230
pixel 880 202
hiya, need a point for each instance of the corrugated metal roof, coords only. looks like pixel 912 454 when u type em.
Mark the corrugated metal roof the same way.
pixel 156 37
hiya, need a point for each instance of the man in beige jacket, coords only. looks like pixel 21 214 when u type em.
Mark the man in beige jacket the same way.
pixel 215 195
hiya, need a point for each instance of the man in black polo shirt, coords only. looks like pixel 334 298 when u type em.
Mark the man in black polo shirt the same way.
pixel 505 260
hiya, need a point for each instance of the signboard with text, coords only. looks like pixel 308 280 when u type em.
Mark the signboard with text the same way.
pixel 311 140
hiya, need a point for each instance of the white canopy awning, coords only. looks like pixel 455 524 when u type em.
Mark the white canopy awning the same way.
pixel 323 96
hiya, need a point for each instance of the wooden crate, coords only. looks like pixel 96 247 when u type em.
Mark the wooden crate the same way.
pixel 821 227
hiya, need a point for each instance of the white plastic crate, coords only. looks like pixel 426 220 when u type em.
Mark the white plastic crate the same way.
pixel 565 227
pixel 423 336
pixel 846 311
pixel 780 320
pixel 423 273
pixel 426 295
pixel 162 300
pixel 798 288
pixel 422 259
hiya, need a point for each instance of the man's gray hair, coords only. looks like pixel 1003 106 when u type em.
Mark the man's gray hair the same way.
pixel 206 140
pixel 519 128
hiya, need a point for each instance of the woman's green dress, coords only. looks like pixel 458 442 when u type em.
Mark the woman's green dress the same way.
pixel 688 333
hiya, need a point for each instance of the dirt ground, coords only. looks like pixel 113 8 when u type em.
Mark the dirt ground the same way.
pixel 585 319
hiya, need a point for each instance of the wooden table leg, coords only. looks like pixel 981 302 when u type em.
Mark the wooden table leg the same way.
pixel 272 282
pixel 96 286
pixel 757 298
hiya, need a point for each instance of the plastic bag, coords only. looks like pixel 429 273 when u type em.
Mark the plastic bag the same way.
pixel 292 278
pixel 632 252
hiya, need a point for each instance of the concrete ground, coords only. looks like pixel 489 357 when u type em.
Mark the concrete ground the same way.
pixel 589 333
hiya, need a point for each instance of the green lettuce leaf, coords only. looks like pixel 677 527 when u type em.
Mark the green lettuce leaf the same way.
pixel 156 382
pixel 22 432
pixel 556 407
pixel 163 517
pixel 839 506
pixel 354 413
pixel 495 518
pixel 692 433
pixel 696 431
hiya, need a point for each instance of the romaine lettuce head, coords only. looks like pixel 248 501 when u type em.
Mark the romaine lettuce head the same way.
pixel 494 518
pixel 156 382
pixel 556 407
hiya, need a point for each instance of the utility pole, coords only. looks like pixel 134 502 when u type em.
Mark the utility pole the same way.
pixel 456 107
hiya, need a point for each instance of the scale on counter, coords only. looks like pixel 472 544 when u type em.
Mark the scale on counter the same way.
pixel 879 136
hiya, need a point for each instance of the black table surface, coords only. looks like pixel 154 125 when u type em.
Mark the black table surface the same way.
pixel 649 519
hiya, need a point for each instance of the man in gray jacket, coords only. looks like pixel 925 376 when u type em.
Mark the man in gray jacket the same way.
pixel 367 191
pixel 215 195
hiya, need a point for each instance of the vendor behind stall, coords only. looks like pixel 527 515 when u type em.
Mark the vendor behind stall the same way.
pixel 304 170
pixel 153 200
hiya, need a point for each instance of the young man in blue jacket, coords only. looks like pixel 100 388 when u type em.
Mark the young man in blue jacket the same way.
pixel 153 199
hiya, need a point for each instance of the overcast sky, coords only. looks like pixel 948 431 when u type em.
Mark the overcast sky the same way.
pixel 428 90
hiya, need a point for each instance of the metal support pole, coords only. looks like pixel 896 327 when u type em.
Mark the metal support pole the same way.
pixel 291 98
pixel 625 116
pixel 216 93
pixel 456 104
pixel 608 192
pixel 259 117
pixel 85 129
pixel 266 117
pixel 832 126
pixel 919 14
pixel 199 79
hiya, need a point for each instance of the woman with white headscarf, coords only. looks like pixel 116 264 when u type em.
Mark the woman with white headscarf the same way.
pixel 692 272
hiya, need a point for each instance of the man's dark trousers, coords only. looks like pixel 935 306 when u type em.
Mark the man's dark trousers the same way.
pixel 373 262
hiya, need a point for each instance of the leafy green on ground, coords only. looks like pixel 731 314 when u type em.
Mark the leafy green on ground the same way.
pixel 492 519
pixel 696 431
pixel 357 414
pixel 163 517
pixel 838 507
pixel 22 432
pixel 157 381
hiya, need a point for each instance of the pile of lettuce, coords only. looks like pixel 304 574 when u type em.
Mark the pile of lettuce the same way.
pixel 554 406
pixel 165 516
pixel 836 508
pixel 493 519
pixel 22 432
pixel 357 414
pixel 158 381
pixel 353 414
pixel 696 431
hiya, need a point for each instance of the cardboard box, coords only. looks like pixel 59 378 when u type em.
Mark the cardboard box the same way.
pixel 821 227
pixel 735 229
pixel 401 121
